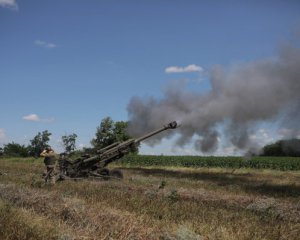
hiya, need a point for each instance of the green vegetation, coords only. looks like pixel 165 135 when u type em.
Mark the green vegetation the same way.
pixel 280 163
pixel 107 133
pixel 15 150
pixel 69 142
pixel 257 162
pixel 36 146
pixel 289 147
pixel 39 143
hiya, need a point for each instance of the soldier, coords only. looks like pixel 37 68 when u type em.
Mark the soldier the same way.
pixel 50 161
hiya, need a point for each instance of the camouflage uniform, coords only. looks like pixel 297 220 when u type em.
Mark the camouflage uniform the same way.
pixel 50 161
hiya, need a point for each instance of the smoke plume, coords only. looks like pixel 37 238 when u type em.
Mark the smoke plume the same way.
pixel 239 98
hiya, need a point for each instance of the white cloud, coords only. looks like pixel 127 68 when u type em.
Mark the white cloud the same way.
pixel 3 137
pixel 32 117
pixel 11 4
pixel 44 44
pixel 35 118
pixel 189 68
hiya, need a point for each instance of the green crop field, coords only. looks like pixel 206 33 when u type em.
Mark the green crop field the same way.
pixel 279 163
pixel 160 197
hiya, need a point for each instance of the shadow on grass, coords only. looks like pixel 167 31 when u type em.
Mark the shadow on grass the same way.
pixel 244 181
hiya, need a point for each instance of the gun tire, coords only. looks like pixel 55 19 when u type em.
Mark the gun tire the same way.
pixel 104 172
pixel 116 173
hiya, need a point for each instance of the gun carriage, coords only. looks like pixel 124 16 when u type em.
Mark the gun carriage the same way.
pixel 96 166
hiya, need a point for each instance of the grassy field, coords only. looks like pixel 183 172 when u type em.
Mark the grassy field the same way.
pixel 160 202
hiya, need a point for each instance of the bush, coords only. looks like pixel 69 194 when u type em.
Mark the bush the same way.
pixel 15 150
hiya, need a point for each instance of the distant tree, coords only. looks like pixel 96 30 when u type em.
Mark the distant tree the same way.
pixel 1 151
pixel 15 150
pixel 104 134
pixel 87 150
pixel 289 147
pixel 39 143
pixel 120 131
pixel 274 149
pixel 110 132
pixel 69 142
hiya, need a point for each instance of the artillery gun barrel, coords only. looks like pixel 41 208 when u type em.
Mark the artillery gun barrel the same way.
pixel 102 150
pixel 171 125
pixel 113 150
pixel 91 159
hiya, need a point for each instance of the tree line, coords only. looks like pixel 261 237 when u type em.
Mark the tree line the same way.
pixel 107 133
pixel 290 147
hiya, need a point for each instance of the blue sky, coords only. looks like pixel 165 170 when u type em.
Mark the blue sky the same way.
pixel 65 65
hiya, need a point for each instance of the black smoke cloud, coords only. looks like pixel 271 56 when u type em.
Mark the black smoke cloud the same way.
pixel 240 98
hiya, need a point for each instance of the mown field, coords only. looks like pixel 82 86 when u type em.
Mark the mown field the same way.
pixel 151 202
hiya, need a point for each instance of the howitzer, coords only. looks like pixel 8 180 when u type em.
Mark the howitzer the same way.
pixel 95 166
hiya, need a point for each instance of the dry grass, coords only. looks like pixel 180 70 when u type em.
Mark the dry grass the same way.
pixel 152 203
pixel 21 223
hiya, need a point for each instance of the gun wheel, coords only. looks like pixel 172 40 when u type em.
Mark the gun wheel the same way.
pixel 116 173
pixel 104 172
